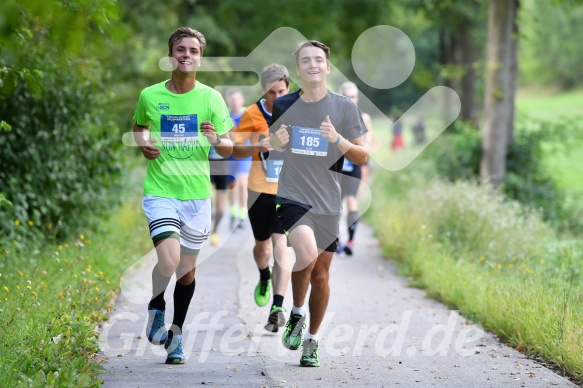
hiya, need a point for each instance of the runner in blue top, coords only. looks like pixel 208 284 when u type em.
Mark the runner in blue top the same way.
pixel 238 168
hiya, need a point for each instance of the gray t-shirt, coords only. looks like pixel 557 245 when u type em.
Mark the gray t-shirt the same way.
pixel 311 173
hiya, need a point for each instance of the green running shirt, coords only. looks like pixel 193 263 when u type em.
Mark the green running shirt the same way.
pixel 182 169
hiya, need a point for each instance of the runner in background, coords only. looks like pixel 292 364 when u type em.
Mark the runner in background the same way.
pixel 357 174
pixel 238 168
pixel 219 176
pixel 252 138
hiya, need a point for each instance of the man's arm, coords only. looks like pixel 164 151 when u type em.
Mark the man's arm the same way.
pixel 222 143
pixel 278 133
pixel 241 150
pixel 142 138
pixel 353 149
pixel 244 131
pixel 225 148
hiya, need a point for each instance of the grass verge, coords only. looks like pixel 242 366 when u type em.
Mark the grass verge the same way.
pixel 493 260
pixel 51 302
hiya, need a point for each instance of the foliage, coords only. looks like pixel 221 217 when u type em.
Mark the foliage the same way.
pixel 457 152
pixel 60 156
pixel 51 302
pixel 550 52
pixel 221 23
pixel 528 180
pixel 491 258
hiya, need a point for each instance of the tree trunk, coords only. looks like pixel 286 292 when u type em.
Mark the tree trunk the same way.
pixel 447 44
pixel 468 87
pixel 499 94
pixel 513 76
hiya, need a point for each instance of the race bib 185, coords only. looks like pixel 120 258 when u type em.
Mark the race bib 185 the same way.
pixel 308 141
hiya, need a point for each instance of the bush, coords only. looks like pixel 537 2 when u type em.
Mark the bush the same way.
pixel 52 302
pixel 59 150
pixel 493 259
pixel 456 153
pixel 528 179
pixel 60 157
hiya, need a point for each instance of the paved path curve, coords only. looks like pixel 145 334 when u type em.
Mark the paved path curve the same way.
pixel 378 332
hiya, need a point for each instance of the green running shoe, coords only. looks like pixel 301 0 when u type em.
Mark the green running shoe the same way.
pixel 292 336
pixel 263 291
pixel 310 354
pixel 276 319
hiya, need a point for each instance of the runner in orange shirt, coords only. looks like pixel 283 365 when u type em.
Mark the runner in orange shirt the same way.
pixel 262 187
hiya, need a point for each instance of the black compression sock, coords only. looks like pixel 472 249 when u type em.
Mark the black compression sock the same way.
pixel 277 300
pixel 352 220
pixel 182 297
pixel 159 285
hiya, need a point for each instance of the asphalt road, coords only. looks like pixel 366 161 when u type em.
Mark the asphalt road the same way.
pixel 378 332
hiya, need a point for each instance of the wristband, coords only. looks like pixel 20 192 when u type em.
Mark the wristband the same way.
pixel 337 140
pixel 218 141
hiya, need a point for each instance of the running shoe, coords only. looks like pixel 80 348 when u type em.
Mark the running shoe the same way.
pixel 263 292
pixel 292 336
pixel 340 248
pixel 276 319
pixel 173 347
pixel 349 248
pixel 155 329
pixel 310 354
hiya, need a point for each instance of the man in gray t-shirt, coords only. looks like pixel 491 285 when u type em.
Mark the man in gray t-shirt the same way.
pixel 313 163
pixel 317 129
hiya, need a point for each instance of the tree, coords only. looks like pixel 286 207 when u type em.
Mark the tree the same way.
pixel 550 53
pixel 501 69
pixel 459 26
pixel 60 155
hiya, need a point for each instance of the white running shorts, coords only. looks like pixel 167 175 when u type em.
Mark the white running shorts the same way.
pixel 190 219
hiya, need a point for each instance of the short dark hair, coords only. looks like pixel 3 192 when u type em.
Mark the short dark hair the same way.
pixel 272 74
pixel 186 32
pixel 311 43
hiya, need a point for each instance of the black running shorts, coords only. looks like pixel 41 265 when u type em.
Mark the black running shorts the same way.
pixel 219 169
pixel 325 227
pixel 262 215
pixel 350 181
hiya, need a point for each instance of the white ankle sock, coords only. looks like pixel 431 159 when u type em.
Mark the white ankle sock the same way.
pixel 313 337
pixel 298 310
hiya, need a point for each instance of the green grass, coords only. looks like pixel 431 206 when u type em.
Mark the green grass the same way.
pixel 52 301
pixel 496 262
pixel 568 169
pixel 548 106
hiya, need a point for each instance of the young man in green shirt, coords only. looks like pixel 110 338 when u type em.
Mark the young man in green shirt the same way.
pixel 175 124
